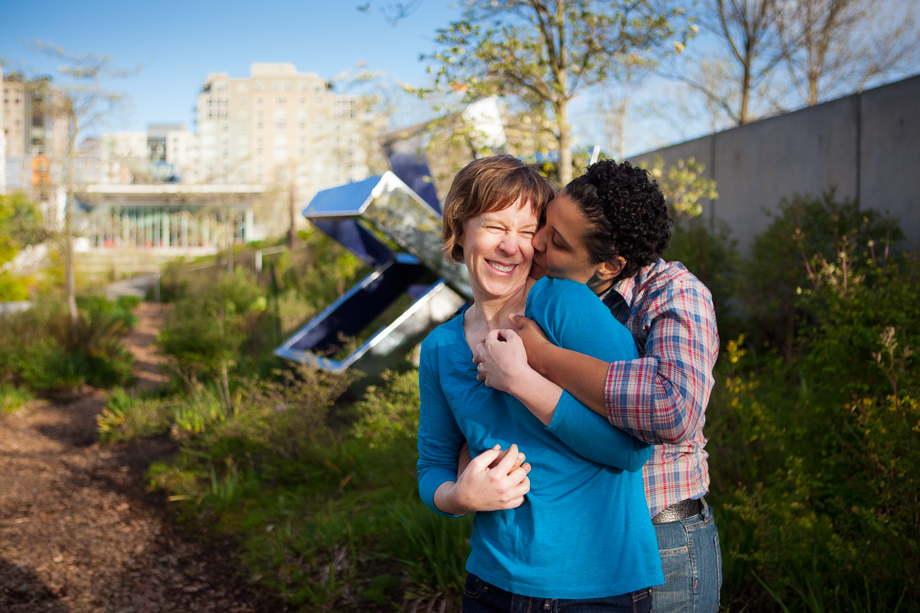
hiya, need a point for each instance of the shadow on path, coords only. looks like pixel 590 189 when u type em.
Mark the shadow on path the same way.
pixel 22 591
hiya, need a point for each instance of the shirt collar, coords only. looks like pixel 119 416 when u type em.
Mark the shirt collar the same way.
pixel 626 288
pixel 621 289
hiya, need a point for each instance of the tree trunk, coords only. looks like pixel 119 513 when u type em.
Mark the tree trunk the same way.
pixel 292 209
pixel 565 143
pixel 745 96
pixel 231 231
pixel 70 280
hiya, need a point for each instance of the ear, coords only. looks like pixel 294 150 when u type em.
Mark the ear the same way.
pixel 611 269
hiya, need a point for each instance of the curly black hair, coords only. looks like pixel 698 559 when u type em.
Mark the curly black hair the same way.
pixel 626 213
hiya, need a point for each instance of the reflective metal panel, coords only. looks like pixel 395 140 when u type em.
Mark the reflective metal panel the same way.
pixel 436 304
pixel 396 212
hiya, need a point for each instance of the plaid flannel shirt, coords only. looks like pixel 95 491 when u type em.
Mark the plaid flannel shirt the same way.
pixel 661 398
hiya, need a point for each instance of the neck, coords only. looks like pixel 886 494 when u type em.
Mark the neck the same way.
pixel 494 313
pixel 599 286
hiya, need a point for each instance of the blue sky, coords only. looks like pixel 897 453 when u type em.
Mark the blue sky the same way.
pixel 179 43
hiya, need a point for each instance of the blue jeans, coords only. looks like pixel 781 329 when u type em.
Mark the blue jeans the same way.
pixel 692 565
pixel 482 597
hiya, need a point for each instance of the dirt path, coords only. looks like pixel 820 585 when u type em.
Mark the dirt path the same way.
pixel 78 531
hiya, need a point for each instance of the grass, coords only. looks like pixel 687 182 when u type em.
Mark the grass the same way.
pixel 13 398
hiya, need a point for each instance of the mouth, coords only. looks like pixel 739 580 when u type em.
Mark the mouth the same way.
pixel 502 268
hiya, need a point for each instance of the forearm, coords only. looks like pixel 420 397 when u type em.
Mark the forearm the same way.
pixel 585 432
pixel 445 499
pixel 537 393
pixel 657 401
pixel 581 375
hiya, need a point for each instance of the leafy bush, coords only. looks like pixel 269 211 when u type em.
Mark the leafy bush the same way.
pixel 12 398
pixel 206 329
pixel 390 410
pixel 41 348
pixel 815 458
pixel 804 229
pixel 285 416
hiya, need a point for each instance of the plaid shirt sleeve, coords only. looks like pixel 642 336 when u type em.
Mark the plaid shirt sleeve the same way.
pixel 661 397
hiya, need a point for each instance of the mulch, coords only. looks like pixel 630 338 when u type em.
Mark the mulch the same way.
pixel 79 532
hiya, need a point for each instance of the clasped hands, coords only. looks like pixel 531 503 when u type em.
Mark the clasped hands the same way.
pixel 492 481
pixel 503 356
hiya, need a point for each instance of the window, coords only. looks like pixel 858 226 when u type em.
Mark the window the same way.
pixel 280 100
pixel 281 86
pixel 303 101
pixel 220 87
pixel 302 86
pixel 242 88
pixel 259 86
pixel 244 114
pixel 216 108
pixel 242 101
pixel 259 101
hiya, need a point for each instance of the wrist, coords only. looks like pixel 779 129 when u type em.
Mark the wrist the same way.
pixel 448 499
pixel 540 359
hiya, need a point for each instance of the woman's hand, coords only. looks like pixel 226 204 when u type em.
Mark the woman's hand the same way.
pixel 464 459
pixel 486 486
pixel 502 360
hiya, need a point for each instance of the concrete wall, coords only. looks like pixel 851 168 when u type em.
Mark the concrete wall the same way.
pixel 866 146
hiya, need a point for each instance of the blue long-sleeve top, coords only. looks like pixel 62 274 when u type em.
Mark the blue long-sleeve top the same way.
pixel 583 531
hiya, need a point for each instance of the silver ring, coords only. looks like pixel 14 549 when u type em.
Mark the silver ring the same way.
pixel 479 367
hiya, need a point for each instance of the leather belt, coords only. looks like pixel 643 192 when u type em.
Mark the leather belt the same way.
pixel 679 510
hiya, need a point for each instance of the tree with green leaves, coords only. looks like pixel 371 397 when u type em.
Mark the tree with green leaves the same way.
pixel 20 225
pixel 546 52
pixel 80 99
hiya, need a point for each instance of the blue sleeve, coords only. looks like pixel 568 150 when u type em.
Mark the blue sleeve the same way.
pixel 574 318
pixel 439 436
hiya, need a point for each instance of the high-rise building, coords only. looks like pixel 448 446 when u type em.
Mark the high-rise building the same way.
pixel 2 142
pixel 35 137
pixel 279 127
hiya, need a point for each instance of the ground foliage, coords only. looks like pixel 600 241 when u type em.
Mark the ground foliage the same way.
pixel 42 351
pixel 814 426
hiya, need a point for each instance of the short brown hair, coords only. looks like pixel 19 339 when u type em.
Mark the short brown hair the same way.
pixel 486 185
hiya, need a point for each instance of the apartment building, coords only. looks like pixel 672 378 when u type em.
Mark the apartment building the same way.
pixel 2 141
pixel 279 127
pixel 33 139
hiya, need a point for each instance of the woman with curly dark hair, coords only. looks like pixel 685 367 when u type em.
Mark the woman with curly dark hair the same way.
pixel 607 229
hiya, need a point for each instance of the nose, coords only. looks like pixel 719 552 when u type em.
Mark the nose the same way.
pixel 539 240
pixel 509 243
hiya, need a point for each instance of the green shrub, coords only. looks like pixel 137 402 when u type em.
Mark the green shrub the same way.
pixel 804 230
pixel 284 416
pixel 390 410
pixel 13 398
pixel 815 459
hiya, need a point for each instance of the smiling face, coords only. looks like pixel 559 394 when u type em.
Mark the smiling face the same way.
pixel 560 251
pixel 498 250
